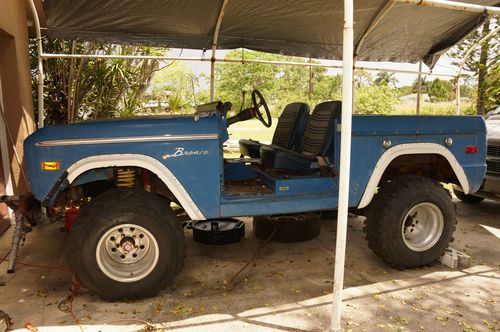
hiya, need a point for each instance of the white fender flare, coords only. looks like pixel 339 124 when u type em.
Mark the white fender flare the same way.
pixel 407 149
pixel 143 161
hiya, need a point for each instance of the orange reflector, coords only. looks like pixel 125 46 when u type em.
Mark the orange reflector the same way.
pixel 50 165
pixel 471 149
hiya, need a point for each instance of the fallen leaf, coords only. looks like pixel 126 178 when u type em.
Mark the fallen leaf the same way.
pixel 443 319
pixel 466 327
pixel 402 320
pixel 491 326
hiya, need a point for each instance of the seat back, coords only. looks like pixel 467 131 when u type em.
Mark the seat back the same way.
pixel 319 132
pixel 291 126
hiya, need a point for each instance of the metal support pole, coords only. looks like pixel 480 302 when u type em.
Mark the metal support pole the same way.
pixel 310 87
pixel 41 115
pixel 457 96
pixel 345 161
pixel 214 49
pixel 22 227
pixel 212 80
pixel 419 85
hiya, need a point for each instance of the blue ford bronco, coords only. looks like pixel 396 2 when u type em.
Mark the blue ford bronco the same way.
pixel 127 241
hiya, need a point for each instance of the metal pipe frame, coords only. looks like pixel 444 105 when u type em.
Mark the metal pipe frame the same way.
pixel 41 117
pixel 230 60
pixel 214 49
pixel 455 5
pixel 466 56
pixel 419 86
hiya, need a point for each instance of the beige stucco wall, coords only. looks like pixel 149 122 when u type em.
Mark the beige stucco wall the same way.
pixel 15 83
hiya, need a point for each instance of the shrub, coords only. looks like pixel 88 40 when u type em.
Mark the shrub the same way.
pixel 376 99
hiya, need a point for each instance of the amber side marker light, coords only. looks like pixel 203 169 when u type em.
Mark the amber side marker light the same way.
pixel 50 165
pixel 471 149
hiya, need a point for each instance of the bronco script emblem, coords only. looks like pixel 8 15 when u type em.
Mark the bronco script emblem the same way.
pixel 180 152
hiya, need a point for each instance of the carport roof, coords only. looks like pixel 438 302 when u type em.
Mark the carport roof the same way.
pixel 406 33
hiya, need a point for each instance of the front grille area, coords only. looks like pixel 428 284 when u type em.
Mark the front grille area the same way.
pixel 493 159
pixel 493 150
pixel 493 166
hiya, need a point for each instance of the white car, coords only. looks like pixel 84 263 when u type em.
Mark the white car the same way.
pixel 491 185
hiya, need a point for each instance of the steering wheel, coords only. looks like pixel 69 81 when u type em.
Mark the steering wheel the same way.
pixel 258 101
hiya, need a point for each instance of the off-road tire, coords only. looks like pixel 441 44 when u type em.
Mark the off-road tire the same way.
pixel 470 199
pixel 289 228
pixel 152 201
pixel 119 207
pixel 386 214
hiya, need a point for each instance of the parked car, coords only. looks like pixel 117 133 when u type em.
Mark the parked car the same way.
pixel 490 187
pixel 495 112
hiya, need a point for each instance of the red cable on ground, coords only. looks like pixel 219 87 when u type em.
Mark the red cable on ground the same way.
pixel 49 267
pixel 5 257
pixel 254 255
pixel 75 286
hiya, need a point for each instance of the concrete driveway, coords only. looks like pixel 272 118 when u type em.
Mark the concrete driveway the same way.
pixel 287 289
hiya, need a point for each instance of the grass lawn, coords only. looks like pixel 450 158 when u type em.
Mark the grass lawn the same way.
pixel 253 129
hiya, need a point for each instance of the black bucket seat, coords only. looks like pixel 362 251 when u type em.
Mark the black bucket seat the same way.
pixel 288 133
pixel 316 144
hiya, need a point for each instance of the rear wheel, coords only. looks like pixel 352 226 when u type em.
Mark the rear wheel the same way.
pixel 467 198
pixel 126 245
pixel 410 222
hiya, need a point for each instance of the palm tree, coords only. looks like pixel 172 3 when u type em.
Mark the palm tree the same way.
pixel 386 78
pixel 78 89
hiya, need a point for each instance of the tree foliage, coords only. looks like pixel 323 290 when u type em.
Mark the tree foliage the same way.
pixel 492 88
pixel 76 89
pixel 284 84
pixel 440 90
pixel 483 62
pixel 386 78
pixel 176 85
pixel 280 84
pixel 374 99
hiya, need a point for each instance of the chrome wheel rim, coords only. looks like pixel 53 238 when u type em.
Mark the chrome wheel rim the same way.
pixel 422 226
pixel 127 253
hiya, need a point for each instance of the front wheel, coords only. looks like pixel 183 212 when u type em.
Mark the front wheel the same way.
pixel 126 245
pixel 410 222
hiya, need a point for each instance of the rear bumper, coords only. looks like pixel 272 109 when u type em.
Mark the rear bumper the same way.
pixel 489 189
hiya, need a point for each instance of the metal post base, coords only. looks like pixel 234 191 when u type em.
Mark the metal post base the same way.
pixel 23 208
pixel 22 227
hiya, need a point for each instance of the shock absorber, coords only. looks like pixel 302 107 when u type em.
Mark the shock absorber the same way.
pixel 125 178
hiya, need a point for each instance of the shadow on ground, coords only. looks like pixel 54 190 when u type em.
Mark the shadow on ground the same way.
pixel 287 289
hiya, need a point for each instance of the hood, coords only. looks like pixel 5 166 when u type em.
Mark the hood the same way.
pixel 126 128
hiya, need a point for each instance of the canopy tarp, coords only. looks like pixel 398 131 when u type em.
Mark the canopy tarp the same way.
pixel 313 28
